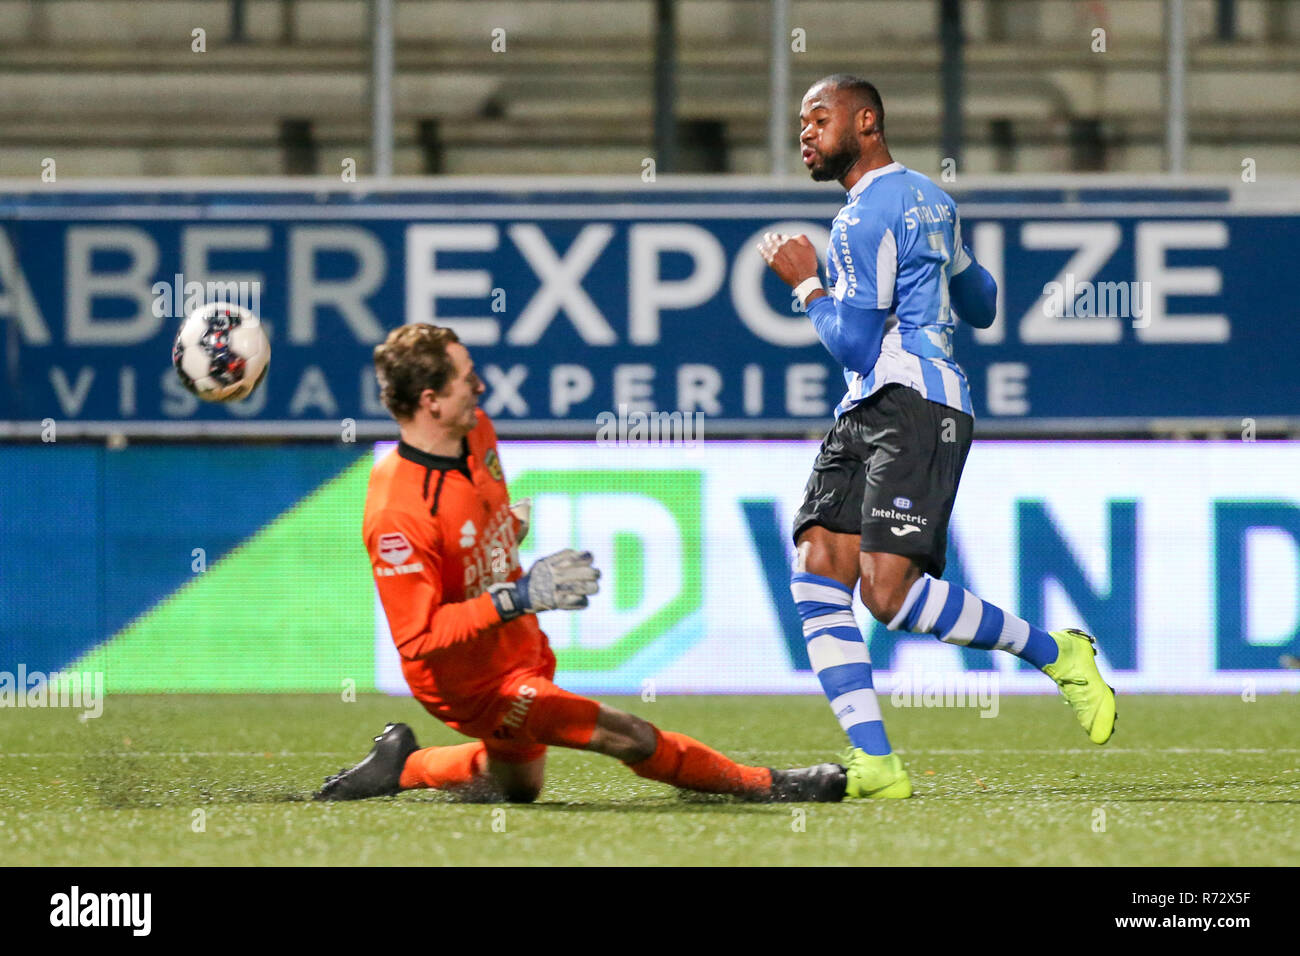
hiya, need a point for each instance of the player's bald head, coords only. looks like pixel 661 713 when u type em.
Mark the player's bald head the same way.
pixel 844 91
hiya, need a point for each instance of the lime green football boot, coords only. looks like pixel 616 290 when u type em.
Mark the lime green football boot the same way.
pixel 875 777
pixel 1075 672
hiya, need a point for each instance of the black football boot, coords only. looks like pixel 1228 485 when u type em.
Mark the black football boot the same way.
pixel 379 774
pixel 824 783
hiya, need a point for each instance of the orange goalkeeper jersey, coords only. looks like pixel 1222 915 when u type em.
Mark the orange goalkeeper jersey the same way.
pixel 439 532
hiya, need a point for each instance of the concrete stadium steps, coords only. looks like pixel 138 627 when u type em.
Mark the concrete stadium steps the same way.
pixel 549 140
pixel 313 82
pixel 226 94
pixel 747 53
pixel 330 83
pixel 884 21
pixel 82 163
pixel 86 81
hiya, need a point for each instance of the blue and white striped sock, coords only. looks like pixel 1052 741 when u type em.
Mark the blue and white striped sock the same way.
pixel 956 616
pixel 839 657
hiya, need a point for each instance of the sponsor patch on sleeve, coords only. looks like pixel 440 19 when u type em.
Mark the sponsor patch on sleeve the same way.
pixel 394 548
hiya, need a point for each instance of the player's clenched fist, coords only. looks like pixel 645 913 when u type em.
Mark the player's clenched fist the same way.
pixel 558 581
pixel 793 258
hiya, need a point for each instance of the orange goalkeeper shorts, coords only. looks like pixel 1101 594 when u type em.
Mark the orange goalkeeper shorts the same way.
pixel 523 715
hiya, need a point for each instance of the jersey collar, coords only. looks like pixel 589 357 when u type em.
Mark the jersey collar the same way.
pixel 870 177
pixel 436 462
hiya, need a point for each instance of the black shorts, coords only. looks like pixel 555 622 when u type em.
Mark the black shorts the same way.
pixel 888 471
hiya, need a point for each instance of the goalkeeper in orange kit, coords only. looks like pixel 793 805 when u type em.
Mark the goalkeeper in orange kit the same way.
pixel 442 539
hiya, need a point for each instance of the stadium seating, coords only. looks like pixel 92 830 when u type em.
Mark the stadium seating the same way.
pixel 572 92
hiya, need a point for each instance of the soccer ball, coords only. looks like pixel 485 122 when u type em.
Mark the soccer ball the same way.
pixel 221 352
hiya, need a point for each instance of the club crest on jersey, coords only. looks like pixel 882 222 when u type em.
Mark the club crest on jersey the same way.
pixel 394 548
pixel 492 462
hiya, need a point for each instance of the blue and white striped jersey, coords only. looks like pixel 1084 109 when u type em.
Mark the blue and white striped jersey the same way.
pixel 894 246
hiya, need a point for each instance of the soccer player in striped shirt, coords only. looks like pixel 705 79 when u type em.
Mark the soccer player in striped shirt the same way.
pixel 875 512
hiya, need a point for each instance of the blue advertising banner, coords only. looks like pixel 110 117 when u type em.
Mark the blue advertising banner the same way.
pixel 1183 558
pixel 1114 305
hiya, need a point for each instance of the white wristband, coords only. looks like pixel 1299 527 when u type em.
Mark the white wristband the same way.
pixel 806 288
pixel 960 261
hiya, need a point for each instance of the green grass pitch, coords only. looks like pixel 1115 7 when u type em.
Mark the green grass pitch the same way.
pixel 1186 780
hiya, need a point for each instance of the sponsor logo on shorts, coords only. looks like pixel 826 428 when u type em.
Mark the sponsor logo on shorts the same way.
pixel 394 548
pixel 514 718
pixel 904 503
pixel 891 515
pixel 905 530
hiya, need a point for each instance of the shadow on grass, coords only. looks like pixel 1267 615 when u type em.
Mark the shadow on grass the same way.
pixel 683 802
pixel 673 807
pixel 118 781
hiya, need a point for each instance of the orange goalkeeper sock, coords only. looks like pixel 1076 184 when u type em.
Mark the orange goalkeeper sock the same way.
pixel 687 763
pixel 444 767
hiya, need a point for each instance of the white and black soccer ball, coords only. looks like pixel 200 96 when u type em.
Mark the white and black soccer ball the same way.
pixel 221 352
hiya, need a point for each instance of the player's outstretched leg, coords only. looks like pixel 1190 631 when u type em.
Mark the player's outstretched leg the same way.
pixel 379 773
pixel 954 615
pixel 510 768
pixel 460 769
pixel 685 762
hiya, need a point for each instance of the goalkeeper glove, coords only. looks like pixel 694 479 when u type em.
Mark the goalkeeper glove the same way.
pixel 561 580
